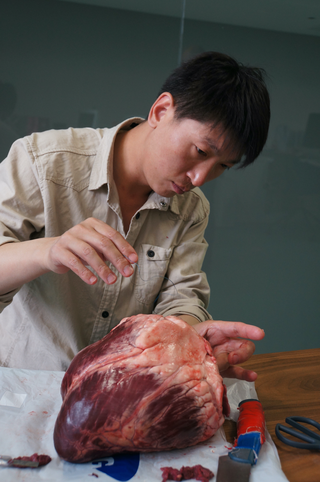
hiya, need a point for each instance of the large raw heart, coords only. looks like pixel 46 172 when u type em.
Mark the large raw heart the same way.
pixel 151 384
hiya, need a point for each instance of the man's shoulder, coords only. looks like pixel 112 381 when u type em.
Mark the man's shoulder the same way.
pixel 65 157
pixel 84 141
pixel 192 205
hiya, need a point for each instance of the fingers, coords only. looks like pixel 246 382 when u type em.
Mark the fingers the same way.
pixel 229 371
pixel 222 361
pixel 236 329
pixel 75 255
pixel 238 351
pixel 217 332
pixel 239 373
pixel 230 346
pixel 110 235
pixel 91 243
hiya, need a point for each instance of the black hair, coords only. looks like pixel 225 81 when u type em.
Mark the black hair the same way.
pixel 216 89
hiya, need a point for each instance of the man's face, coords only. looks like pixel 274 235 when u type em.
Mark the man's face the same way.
pixel 182 154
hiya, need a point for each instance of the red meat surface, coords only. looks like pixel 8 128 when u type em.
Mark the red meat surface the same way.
pixel 151 384
pixel 186 473
pixel 169 473
pixel 41 459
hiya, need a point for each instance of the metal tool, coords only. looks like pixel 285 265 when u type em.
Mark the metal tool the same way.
pixel 311 439
pixel 236 466
pixel 7 461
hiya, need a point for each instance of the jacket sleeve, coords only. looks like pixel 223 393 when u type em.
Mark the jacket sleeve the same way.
pixel 186 289
pixel 21 205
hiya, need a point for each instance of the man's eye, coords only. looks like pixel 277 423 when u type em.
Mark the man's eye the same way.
pixel 225 167
pixel 202 153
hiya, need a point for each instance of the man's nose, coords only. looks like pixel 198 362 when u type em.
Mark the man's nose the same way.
pixel 200 174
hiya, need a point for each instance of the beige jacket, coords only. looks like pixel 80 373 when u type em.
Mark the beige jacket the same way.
pixel 53 180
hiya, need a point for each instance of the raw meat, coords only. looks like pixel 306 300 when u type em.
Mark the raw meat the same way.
pixel 186 473
pixel 41 459
pixel 169 473
pixel 151 384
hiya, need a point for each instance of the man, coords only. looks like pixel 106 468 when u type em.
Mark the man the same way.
pixel 99 224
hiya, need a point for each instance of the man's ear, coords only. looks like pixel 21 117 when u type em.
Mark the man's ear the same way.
pixel 163 107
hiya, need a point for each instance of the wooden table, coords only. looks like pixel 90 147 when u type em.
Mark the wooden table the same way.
pixel 288 384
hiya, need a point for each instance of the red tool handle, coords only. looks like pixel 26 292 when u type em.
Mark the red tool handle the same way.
pixel 251 419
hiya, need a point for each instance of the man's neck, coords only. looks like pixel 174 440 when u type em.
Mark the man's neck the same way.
pixel 128 163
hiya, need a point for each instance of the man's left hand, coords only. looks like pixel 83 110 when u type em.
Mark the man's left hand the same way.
pixel 230 346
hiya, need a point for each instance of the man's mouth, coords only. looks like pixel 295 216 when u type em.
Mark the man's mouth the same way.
pixel 180 189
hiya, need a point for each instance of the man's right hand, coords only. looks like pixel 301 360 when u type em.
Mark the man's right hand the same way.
pixel 91 243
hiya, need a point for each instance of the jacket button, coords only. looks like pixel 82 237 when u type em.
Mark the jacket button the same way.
pixel 104 314
pixel 150 253
pixel 137 215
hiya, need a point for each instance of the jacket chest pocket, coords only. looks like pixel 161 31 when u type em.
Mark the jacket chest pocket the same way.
pixel 150 272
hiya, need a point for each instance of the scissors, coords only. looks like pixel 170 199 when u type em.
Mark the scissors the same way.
pixel 301 432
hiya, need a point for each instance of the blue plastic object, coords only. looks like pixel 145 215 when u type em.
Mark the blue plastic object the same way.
pixel 311 439
pixel 121 467
pixel 247 449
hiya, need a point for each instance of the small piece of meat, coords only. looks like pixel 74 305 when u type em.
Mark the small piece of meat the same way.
pixel 41 459
pixel 151 384
pixel 186 473
pixel 202 474
pixel 169 473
